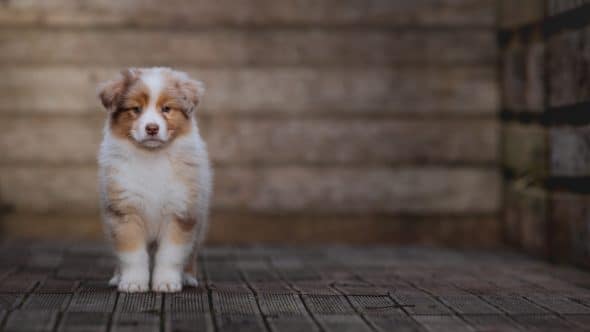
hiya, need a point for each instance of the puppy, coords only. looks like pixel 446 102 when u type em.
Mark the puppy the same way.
pixel 155 178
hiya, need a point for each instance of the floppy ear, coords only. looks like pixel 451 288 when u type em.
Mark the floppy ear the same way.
pixel 110 92
pixel 192 91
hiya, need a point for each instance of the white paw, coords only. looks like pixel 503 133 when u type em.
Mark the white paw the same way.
pixel 134 282
pixel 115 280
pixel 167 281
pixel 133 286
pixel 167 287
pixel 189 280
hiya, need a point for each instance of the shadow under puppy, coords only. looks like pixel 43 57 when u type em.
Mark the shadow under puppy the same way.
pixel 155 178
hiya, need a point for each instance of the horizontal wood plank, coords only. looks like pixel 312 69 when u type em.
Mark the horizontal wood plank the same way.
pixel 378 190
pixel 345 141
pixel 419 191
pixel 518 13
pixel 183 13
pixel 51 140
pixel 244 228
pixel 50 190
pixel 239 47
pixel 465 90
pixel 233 140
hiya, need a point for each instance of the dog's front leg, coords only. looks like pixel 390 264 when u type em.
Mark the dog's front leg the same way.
pixel 174 248
pixel 130 245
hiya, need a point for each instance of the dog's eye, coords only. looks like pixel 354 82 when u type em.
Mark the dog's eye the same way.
pixel 165 109
pixel 135 110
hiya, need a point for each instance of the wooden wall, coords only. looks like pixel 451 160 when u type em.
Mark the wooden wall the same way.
pixel 546 133
pixel 328 121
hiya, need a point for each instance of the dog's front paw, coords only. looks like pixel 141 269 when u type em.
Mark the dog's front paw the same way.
pixel 133 287
pixel 167 281
pixel 189 280
pixel 115 280
pixel 133 283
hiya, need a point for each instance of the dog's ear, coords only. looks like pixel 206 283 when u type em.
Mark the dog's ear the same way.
pixel 192 91
pixel 111 92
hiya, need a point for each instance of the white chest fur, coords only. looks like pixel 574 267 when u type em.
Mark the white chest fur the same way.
pixel 146 180
pixel 149 183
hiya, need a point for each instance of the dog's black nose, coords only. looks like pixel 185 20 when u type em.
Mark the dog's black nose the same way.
pixel 152 129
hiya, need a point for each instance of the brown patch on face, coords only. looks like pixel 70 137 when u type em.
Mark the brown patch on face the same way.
pixel 175 110
pixel 112 92
pixel 121 97
pixel 128 110
pixel 181 230
pixel 122 123
pixel 128 233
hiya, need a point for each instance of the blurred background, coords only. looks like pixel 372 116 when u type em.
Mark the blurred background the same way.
pixel 328 121
pixel 353 121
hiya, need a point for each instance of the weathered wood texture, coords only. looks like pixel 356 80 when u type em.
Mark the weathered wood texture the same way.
pixel 559 6
pixel 313 108
pixel 293 288
pixel 481 230
pixel 523 86
pixel 546 149
pixel 570 151
pixel 527 219
pixel 281 189
pixel 570 216
pixel 182 13
pixel 258 47
pixel 568 67
pixel 524 149
pixel 516 13
pixel 235 140
pixel 273 90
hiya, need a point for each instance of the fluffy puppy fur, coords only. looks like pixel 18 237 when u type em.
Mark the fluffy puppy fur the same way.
pixel 155 178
